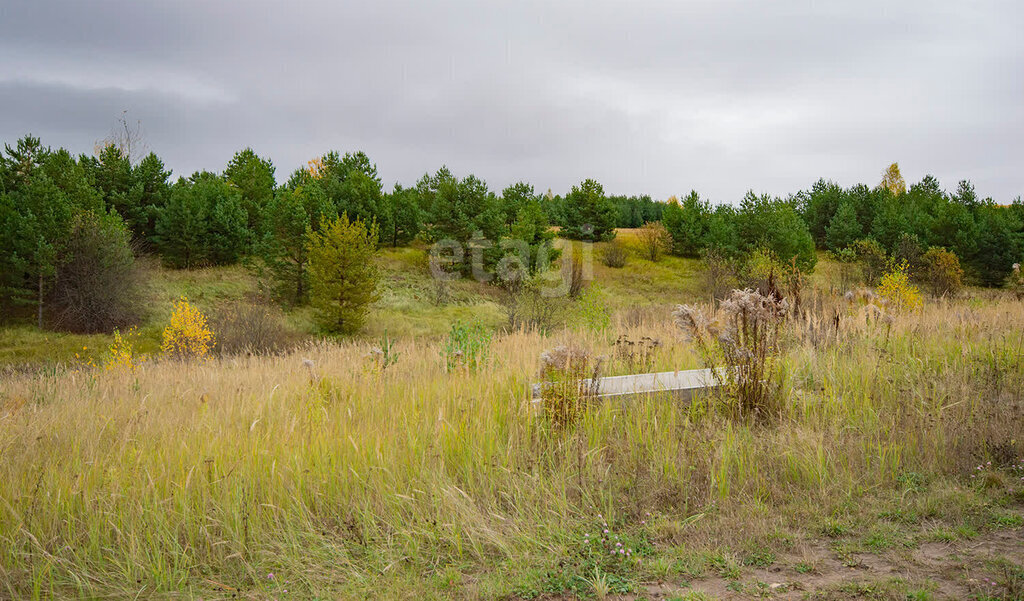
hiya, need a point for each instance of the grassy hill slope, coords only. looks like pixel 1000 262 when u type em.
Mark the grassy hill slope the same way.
pixel 408 305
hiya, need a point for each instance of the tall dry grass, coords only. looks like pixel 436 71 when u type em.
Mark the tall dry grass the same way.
pixel 205 478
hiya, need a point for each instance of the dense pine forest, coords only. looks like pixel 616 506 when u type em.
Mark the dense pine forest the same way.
pixel 71 227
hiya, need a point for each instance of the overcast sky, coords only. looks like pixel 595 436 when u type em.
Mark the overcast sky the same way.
pixel 644 96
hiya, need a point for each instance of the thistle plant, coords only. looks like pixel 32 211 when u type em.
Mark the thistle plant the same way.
pixel 311 369
pixel 570 377
pixel 384 355
pixel 741 344
pixel 610 555
pixel 636 355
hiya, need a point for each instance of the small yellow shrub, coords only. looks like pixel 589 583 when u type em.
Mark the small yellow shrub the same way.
pixel 896 289
pixel 121 353
pixel 84 360
pixel 188 336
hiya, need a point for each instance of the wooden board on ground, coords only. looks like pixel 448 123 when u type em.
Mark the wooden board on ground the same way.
pixel 682 385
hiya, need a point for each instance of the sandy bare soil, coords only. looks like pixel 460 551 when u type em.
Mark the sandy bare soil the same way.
pixel 987 567
pixel 938 570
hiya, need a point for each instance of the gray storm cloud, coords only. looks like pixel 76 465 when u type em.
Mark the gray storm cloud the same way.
pixel 647 97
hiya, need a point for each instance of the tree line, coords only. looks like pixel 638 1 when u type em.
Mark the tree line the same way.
pixel 70 226
pixel 987 238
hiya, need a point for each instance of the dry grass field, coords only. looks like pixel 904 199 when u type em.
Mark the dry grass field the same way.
pixel 893 471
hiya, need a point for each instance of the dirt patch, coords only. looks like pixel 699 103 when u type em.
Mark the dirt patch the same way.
pixel 954 570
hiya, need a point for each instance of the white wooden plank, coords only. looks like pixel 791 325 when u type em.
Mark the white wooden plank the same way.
pixel 682 384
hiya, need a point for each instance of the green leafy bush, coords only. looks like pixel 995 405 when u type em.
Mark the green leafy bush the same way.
pixel 614 255
pixel 943 272
pixel 590 312
pixel 466 347
pixel 654 240
pixel 96 288
pixel 872 259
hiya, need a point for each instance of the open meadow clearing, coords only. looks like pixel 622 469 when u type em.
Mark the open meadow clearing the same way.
pixel 342 383
pixel 892 468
